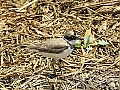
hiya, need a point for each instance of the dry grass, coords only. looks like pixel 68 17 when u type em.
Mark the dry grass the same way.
pixel 32 21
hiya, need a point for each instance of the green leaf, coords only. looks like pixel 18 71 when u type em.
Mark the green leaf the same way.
pixel 77 44
pixel 103 42
pixel 86 41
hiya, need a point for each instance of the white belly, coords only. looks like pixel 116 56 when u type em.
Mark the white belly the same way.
pixel 58 56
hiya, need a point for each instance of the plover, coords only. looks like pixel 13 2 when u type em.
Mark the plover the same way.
pixel 56 48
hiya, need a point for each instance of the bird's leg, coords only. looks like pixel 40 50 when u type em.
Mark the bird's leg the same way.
pixel 59 64
pixel 52 63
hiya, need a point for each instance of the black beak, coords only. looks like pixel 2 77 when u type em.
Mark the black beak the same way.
pixel 80 38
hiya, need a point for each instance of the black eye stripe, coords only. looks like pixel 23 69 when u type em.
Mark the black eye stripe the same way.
pixel 71 38
pixel 74 37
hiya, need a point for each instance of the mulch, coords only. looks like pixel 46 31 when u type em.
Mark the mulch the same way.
pixel 34 21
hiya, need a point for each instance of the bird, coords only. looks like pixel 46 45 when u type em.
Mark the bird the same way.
pixel 56 48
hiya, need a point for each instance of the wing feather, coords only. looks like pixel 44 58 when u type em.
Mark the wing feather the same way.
pixel 52 46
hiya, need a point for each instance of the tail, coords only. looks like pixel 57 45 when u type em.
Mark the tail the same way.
pixel 31 47
pixel 23 46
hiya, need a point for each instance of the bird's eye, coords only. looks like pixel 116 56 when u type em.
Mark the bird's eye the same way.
pixel 73 37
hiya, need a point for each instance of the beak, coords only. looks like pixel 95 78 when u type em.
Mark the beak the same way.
pixel 78 37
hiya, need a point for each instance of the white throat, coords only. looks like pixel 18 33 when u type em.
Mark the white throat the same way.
pixel 72 42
